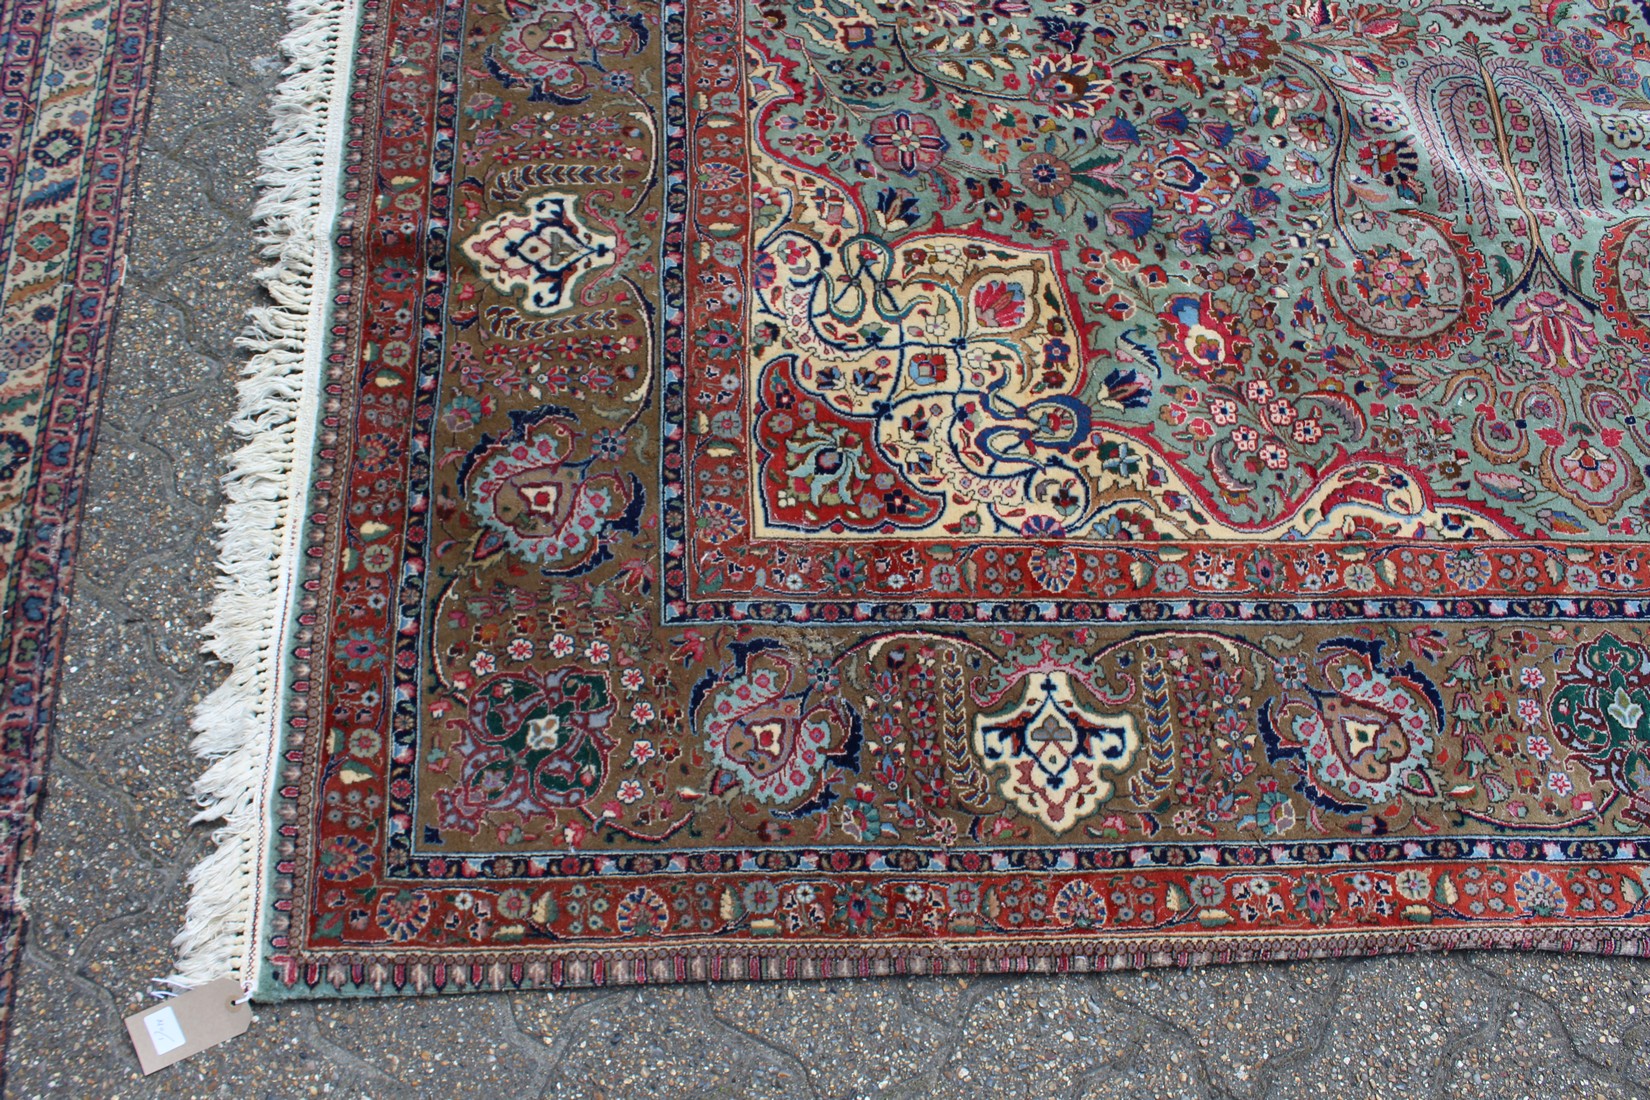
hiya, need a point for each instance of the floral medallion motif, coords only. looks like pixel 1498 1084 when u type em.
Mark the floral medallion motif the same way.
pixel 1368 740
pixel 545 252
pixel 1055 749
pixel 1600 710
pixel 907 143
pixel 531 744
pixel 536 501
pixel 773 739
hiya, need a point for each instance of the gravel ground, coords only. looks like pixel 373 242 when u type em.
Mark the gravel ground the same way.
pixel 106 886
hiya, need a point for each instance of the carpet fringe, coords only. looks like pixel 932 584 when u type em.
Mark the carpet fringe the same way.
pixel 238 726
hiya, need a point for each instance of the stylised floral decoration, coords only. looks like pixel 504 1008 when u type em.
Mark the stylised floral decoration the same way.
pixel 545 252
pixel 1069 86
pixel 1600 709
pixel 1367 740
pixel 535 501
pixel 532 744
pixel 1238 46
pixel 1623 279
pixel 548 46
pixel 1052 749
pixel 1415 298
pixel 1554 333
pixel 907 143
pixel 1202 337
pixel 983 405
pixel 771 734
pixel 1390 276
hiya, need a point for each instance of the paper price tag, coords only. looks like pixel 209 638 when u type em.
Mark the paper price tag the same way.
pixel 189 1023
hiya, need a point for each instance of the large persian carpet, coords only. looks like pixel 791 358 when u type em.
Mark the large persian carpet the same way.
pixel 74 82
pixel 811 488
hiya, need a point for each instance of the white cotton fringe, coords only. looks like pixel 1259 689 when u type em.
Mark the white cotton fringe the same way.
pixel 238 726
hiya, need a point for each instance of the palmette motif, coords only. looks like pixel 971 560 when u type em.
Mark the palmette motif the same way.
pixel 1016 474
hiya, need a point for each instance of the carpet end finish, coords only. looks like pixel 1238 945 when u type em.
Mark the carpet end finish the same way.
pixel 237 726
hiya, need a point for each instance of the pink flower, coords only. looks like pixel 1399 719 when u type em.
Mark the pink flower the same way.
pixel 907 143
pixel 1590 467
pixel 1069 85
pixel 1308 430
pixel 1000 305
pixel 1554 332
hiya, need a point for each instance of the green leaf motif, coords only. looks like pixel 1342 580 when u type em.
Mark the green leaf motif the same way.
pixel 1625 712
